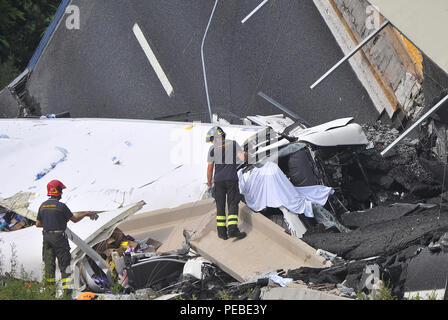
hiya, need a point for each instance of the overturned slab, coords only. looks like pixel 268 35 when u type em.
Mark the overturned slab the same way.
pixel 266 247
pixel 297 294
pixel 167 225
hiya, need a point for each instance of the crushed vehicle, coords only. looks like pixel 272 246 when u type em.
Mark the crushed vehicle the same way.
pixel 300 152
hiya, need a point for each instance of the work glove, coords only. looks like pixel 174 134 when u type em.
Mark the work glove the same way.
pixel 210 192
pixel 94 217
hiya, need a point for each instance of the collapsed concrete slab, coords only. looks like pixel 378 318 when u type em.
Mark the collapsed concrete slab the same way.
pixel 167 225
pixel 296 293
pixel 266 247
pixel 426 276
pixel 383 238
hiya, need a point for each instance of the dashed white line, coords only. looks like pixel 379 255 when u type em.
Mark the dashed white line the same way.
pixel 253 11
pixel 153 60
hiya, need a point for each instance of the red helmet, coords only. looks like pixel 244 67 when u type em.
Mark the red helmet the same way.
pixel 54 188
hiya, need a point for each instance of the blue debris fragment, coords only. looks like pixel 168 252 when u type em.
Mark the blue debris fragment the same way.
pixel 3 223
pixel 4 136
pixel 128 143
pixel 53 165
pixel 48 116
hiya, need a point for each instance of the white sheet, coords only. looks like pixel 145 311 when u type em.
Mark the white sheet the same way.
pixel 269 187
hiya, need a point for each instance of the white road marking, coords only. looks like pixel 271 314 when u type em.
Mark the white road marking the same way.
pixel 153 60
pixel 253 11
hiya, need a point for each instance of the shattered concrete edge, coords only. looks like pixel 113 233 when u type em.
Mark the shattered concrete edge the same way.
pixel 9 108
pixel 357 62
pixel 19 204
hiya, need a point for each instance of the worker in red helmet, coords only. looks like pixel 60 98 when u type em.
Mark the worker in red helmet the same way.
pixel 53 216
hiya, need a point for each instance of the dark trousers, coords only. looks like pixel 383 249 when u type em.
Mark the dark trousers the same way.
pixel 227 190
pixel 56 246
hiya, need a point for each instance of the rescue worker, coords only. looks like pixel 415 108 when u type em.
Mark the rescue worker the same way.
pixel 53 216
pixel 223 158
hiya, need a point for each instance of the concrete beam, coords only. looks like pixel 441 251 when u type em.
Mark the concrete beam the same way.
pixel 286 293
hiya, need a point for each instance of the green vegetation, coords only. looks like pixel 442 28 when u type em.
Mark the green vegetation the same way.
pixel 383 293
pixel 25 288
pixel 224 295
pixel 22 25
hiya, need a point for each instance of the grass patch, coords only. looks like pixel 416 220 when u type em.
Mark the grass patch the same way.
pixel 384 292
pixel 18 285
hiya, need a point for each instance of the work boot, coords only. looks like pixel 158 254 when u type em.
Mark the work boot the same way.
pixel 234 232
pixel 222 233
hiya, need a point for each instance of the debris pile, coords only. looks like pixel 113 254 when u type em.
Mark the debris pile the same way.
pixel 11 221
pixel 364 179
pixel 398 224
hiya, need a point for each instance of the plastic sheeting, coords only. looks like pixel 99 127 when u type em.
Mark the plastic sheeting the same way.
pixel 267 186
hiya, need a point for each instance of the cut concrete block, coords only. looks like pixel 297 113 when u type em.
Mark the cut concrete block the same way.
pixel 296 294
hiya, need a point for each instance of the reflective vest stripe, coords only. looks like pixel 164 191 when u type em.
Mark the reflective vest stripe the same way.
pixel 66 283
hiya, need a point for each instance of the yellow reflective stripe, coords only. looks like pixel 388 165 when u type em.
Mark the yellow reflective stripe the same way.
pixel 50 280
pixel 232 222
pixel 233 216
pixel 221 218
pixel 221 224
pixel 66 283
